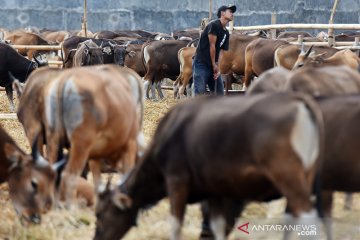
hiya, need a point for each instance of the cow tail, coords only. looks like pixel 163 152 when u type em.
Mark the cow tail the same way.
pixel 318 117
pixel 60 117
pixel 142 53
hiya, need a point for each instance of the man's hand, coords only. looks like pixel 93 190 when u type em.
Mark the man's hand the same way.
pixel 216 71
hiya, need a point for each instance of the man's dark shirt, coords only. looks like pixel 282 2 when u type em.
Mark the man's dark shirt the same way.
pixel 222 42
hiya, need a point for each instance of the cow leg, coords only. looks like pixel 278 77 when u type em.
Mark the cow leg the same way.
pixel 78 156
pixel 189 90
pixel 147 89
pixel 176 85
pixel 228 84
pixel 128 158
pixel 159 90
pixel 206 232
pixel 326 203
pixel 182 92
pixel 153 95
pixel 348 201
pixel 95 168
pixel 247 77
pixel 223 213
pixel 178 194
pixel 9 94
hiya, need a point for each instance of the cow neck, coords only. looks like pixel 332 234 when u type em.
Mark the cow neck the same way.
pixel 145 184
pixel 28 69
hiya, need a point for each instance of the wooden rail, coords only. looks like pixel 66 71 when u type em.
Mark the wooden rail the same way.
pixel 300 26
pixel 37 47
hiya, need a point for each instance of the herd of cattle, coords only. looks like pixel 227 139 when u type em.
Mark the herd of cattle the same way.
pixel 294 133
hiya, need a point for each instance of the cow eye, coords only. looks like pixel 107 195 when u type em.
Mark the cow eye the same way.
pixel 34 185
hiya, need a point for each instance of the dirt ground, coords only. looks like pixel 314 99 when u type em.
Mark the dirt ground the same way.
pixel 154 223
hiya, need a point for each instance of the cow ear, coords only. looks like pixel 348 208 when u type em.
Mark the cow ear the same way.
pixel 132 54
pixel 121 200
pixel 19 87
pixel 13 154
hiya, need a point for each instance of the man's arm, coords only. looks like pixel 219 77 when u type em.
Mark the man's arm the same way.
pixel 212 42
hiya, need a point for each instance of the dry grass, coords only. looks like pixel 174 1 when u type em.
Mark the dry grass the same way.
pixel 152 224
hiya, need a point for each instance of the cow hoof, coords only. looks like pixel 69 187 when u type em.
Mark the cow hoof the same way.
pixel 206 235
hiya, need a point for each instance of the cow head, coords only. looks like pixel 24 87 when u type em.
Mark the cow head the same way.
pixel 40 61
pixel 308 58
pixel 90 53
pixel 120 53
pixel 115 214
pixel 31 183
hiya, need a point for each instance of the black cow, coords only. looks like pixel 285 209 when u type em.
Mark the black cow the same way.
pixel 13 64
pixel 88 53
pixel 113 50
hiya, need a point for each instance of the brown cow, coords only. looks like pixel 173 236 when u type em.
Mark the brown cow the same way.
pixel 287 55
pixel 316 81
pixel 134 59
pixel 267 149
pixel 26 38
pixel 101 118
pixel 31 179
pixel 340 159
pixel 259 57
pixel 294 34
pixel 343 57
pixel 160 59
pixel 232 63
pixel 55 36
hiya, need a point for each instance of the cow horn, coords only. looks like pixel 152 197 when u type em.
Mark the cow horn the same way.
pixel 37 60
pixel 308 51
pixel 59 165
pixel 111 44
pixel 86 45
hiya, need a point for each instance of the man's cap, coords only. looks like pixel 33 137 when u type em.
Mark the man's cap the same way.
pixel 224 8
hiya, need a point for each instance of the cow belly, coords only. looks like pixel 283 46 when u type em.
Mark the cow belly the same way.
pixel 241 182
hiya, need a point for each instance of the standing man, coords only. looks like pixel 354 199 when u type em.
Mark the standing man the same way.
pixel 214 40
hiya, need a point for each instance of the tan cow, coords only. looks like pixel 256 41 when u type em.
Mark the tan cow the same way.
pixel 185 59
pixel 31 179
pixel 259 57
pixel 98 110
pixel 55 36
pixel 287 55
pixel 20 37
pixel 343 57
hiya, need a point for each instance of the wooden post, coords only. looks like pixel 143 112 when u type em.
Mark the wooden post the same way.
pixel 231 27
pixel 356 43
pixel 210 9
pixel 84 20
pixel 273 22
pixel 331 39
pixel 300 39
